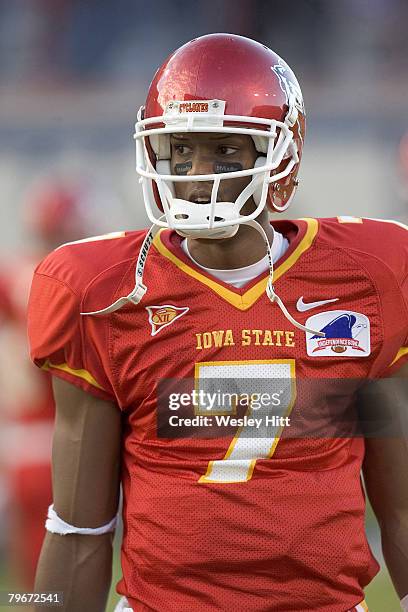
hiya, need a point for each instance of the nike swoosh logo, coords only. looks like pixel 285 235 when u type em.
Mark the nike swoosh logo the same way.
pixel 302 307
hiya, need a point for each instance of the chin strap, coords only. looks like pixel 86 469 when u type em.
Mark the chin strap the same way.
pixel 139 290
pixel 270 289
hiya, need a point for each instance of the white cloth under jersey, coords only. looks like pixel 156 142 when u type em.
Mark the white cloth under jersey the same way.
pixel 123 606
pixel 238 277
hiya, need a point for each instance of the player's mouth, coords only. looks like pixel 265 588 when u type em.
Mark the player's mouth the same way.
pixel 200 200
pixel 200 197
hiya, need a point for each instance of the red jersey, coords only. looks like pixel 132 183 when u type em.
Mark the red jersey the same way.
pixel 225 523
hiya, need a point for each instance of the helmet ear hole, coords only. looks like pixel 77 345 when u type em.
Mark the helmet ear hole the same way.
pixel 163 167
pixel 261 161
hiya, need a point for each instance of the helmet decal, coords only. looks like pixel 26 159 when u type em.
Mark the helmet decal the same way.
pixel 290 88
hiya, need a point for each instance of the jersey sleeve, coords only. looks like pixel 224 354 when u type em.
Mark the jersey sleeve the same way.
pixel 401 356
pixel 381 245
pixel 397 251
pixel 56 335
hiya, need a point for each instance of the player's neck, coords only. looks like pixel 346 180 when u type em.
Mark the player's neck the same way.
pixel 245 248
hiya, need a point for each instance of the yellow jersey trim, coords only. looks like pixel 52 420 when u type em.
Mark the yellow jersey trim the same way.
pixel 403 351
pixel 246 300
pixel 64 367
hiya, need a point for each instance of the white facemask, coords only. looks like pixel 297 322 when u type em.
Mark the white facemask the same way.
pixel 274 143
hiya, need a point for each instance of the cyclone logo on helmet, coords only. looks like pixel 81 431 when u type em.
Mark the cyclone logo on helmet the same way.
pixel 290 87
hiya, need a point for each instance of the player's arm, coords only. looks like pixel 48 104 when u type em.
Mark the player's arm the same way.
pixel 85 465
pixel 386 473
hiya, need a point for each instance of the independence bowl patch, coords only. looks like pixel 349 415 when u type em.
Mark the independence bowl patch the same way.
pixel 347 334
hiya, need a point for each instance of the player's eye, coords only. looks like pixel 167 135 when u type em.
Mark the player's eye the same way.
pixel 226 150
pixel 182 150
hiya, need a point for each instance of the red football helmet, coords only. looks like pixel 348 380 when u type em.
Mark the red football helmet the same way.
pixel 221 83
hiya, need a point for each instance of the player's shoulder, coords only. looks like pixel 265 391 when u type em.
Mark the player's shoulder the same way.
pixel 382 240
pixel 362 232
pixel 76 264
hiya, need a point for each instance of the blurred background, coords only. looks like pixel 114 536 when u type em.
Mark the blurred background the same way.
pixel 73 74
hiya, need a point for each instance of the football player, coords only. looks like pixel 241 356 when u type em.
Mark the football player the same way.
pixel 216 292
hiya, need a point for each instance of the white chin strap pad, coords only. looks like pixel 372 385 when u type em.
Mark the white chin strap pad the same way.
pixel 183 211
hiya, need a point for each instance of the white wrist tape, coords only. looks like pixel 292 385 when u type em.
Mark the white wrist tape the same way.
pixel 404 603
pixel 55 524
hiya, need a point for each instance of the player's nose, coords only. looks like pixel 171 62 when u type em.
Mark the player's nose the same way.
pixel 201 164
